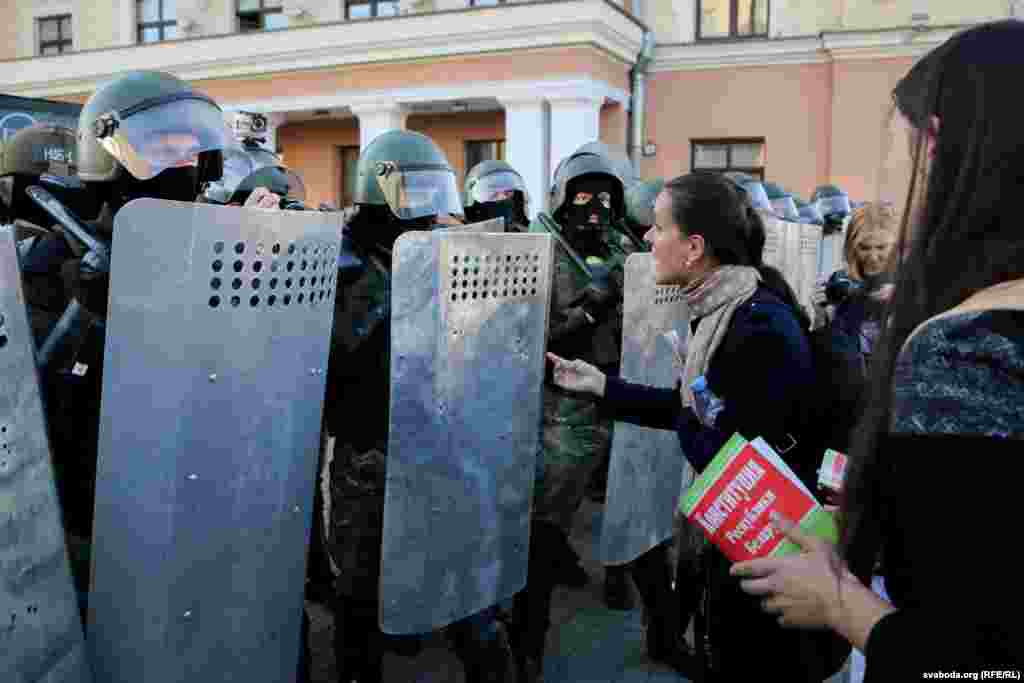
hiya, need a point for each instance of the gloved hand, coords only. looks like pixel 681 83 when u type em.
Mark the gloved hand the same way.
pixel 603 293
pixel 90 287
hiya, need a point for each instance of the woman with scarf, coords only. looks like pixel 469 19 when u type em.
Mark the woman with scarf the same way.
pixel 749 342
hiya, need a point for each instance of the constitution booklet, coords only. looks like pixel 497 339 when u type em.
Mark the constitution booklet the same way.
pixel 732 498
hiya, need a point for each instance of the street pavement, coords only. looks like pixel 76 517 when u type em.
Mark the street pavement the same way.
pixel 587 643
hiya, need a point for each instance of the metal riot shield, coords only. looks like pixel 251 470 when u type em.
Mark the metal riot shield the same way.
pixel 795 249
pixel 469 326
pixel 40 629
pixel 491 226
pixel 647 468
pixel 216 348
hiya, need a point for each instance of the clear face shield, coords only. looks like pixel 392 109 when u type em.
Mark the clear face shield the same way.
pixel 238 164
pixel 162 133
pixel 757 196
pixel 836 205
pixel 785 208
pixel 418 191
pixel 499 186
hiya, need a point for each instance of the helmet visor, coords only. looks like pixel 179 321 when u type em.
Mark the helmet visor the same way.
pixel 497 186
pixel 237 165
pixel 418 192
pixel 810 214
pixel 836 205
pixel 785 207
pixel 757 196
pixel 148 139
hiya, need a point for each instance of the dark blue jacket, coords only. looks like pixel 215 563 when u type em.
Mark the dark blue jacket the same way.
pixel 764 372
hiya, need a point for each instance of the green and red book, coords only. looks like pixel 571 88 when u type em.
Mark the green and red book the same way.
pixel 733 497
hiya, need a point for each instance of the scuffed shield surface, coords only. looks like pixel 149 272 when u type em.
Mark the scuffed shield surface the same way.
pixel 40 630
pixel 647 469
pixel 492 225
pixel 795 249
pixel 216 349
pixel 468 335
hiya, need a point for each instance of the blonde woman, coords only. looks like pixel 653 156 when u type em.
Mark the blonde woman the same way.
pixel 870 238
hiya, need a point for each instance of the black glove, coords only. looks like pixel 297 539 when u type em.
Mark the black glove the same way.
pixel 602 295
pixel 90 287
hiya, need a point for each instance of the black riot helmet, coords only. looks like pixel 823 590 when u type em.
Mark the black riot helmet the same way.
pixel 493 189
pixel 150 134
pixel 593 174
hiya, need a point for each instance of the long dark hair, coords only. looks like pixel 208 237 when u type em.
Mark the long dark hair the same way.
pixel 714 207
pixel 966 235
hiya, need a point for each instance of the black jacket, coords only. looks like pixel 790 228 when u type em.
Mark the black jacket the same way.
pixel 764 371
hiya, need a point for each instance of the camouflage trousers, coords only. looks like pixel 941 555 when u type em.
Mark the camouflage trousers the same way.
pixel 576 440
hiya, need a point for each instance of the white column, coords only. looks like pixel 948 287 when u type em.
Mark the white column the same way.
pixel 377 118
pixel 575 121
pixel 274 121
pixel 526 147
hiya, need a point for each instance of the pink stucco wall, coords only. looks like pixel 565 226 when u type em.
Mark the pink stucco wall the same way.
pixel 827 122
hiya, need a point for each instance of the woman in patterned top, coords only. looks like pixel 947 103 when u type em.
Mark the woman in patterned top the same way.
pixel 934 479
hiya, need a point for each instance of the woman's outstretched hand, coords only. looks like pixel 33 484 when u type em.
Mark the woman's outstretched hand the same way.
pixel 577 375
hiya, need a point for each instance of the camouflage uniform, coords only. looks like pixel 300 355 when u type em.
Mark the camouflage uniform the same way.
pixel 575 434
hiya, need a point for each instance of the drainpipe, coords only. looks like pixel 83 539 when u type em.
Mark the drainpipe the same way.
pixel 638 99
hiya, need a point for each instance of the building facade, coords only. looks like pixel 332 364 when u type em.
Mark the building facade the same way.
pixel 797 91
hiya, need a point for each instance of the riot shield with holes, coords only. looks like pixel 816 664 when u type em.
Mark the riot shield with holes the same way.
pixel 490 225
pixel 647 468
pixel 216 349
pixel 469 325
pixel 40 628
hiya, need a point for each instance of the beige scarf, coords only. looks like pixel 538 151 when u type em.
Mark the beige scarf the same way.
pixel 713 299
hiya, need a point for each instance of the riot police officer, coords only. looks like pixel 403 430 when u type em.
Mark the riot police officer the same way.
pixel 586 321
pixel 494 189
pixel 404 183
pixel 143 134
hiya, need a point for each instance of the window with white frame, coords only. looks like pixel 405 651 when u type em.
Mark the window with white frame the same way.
pixel 731 18
pixel 54 34
pixel 744 155
pixel 261 15
pixel 366 9
pixel 156 20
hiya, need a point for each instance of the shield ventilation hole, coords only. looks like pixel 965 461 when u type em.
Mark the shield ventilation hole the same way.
pixel 476 277
pixel 667 294
pixel 312 289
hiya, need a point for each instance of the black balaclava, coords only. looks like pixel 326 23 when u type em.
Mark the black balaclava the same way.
pixel 377 226
pixel 174 184
pixel 579 220
pixel 485 211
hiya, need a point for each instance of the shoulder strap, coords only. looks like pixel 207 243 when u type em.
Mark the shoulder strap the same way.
pixel 1004 296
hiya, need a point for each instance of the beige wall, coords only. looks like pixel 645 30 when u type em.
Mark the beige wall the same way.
pixel 528 64
pixel 674 21
pixel 9 30
pixel 787 105
pixel 310 147
pixel 872 14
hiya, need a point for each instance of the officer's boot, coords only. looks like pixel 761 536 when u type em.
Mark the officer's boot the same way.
pixel 482 645
pixel 663 631
pixel 358 642
pixel 617 594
